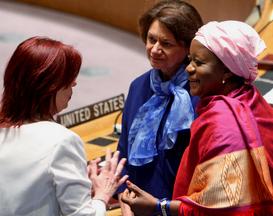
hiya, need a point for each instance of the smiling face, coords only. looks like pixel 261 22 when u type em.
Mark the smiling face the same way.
pixel 163 51
pixel 63 96
pixel 206 71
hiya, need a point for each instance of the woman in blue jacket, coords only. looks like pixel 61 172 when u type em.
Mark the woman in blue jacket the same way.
pixel 159 110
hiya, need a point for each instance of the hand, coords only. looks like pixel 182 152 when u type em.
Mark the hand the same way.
pixel 141 202
pixel 106 180
pixel 125 209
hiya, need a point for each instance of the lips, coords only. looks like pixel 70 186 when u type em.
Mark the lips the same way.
pixel 156 59
pixel 194 83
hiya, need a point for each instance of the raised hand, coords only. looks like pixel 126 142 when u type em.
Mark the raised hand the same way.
pixel 106 180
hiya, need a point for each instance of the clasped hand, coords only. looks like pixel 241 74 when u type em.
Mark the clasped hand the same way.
pixel 141 202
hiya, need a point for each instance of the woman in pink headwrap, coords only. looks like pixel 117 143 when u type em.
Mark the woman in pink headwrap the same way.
pixel 227 169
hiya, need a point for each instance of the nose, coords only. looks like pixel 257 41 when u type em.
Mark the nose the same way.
pixel 156 48
pixel 190 68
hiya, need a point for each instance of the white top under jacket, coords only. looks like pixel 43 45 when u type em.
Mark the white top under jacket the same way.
pixel 43 172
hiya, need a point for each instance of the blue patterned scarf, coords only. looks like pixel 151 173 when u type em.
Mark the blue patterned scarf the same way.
pixel 143 132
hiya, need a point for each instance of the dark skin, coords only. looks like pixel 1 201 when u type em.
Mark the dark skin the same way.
pixel 143 203
pixel 208 76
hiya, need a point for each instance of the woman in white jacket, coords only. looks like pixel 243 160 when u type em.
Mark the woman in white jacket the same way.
pixel 42 164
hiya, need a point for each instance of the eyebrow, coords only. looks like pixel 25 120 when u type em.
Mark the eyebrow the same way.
pixel 150 34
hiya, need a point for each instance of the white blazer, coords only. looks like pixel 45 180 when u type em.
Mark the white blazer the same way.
pixel 43 172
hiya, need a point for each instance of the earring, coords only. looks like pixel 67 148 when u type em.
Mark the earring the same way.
pixel 223 81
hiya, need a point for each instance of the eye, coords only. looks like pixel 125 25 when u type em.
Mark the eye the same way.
pixel 195 61
pixel 151 39
pixel 198 62
pixel 166 44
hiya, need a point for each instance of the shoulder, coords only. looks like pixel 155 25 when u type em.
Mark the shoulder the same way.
pixel 143 79
pixel 218 113
pixel 140 90
pixel 218 128
pixel 62 141
pixel 218 106
pixel 52 131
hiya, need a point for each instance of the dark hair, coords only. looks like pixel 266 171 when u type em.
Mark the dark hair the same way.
pixel 37 70
pixel 181 18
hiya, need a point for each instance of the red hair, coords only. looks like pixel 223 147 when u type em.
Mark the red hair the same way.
pixel 38 68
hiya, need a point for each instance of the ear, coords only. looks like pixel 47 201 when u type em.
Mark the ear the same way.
pixel 227 74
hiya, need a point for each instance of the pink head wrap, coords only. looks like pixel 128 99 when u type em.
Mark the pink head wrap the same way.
pixel 235 43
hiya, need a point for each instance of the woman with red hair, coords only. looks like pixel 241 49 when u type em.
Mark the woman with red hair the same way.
pixel 43 165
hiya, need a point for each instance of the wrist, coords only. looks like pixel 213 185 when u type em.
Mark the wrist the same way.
pixel 101 201
pixel 163 207
pixel 102 197
pixel 157 208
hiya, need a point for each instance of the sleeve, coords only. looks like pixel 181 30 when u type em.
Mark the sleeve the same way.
pixel 123 140
pixel 139 92
pixel 70 179
pixel 229 142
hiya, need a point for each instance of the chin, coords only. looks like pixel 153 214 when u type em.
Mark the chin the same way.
pixel 161 69
pixel 59 109
pixel 65 106
pixel 193 93
pixel 155 64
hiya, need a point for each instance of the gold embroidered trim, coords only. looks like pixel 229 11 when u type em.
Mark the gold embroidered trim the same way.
pixel 235 179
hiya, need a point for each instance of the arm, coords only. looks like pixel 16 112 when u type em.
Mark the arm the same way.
pixel 70 179
pixel 143 203
pixel 139 92
pixel 122 147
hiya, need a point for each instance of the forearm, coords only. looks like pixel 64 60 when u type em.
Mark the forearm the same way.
pixel 174 207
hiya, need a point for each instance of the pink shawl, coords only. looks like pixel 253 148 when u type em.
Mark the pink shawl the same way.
pixel 228 165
